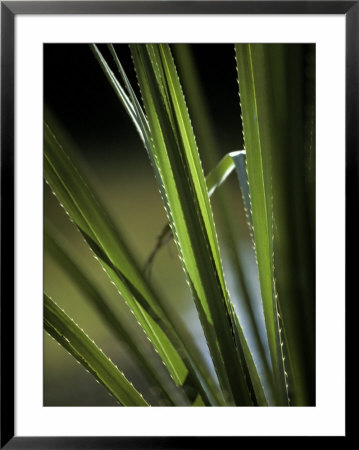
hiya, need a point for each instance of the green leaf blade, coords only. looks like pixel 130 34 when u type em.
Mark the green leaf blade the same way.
pixel 78 344
pixel 255 104
pixel 106 312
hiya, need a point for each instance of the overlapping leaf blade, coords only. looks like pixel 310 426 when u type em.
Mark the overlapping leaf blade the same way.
pixel 189 210
pixel 226 211
pixel 108 314
pixel 234 160
pixel 99 232
pixel 138 117
pixel 214 179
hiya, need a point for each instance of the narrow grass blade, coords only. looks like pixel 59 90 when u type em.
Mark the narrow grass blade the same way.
pixel 85 210
pixel 189 211
pixel 222 170
pixel 138 121
pixel 59 325
pixel 256 112
pixel 107 313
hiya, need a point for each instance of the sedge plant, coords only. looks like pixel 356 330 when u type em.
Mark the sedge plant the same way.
pixel 265 357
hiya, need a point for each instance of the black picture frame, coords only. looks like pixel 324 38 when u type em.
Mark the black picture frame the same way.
pixel 9 10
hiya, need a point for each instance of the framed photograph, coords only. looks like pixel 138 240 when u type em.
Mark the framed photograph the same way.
pixel 176 186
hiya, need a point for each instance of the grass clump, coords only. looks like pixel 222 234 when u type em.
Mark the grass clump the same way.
pixel 261 344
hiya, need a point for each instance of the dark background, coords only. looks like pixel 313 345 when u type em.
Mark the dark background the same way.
pixel 76 89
